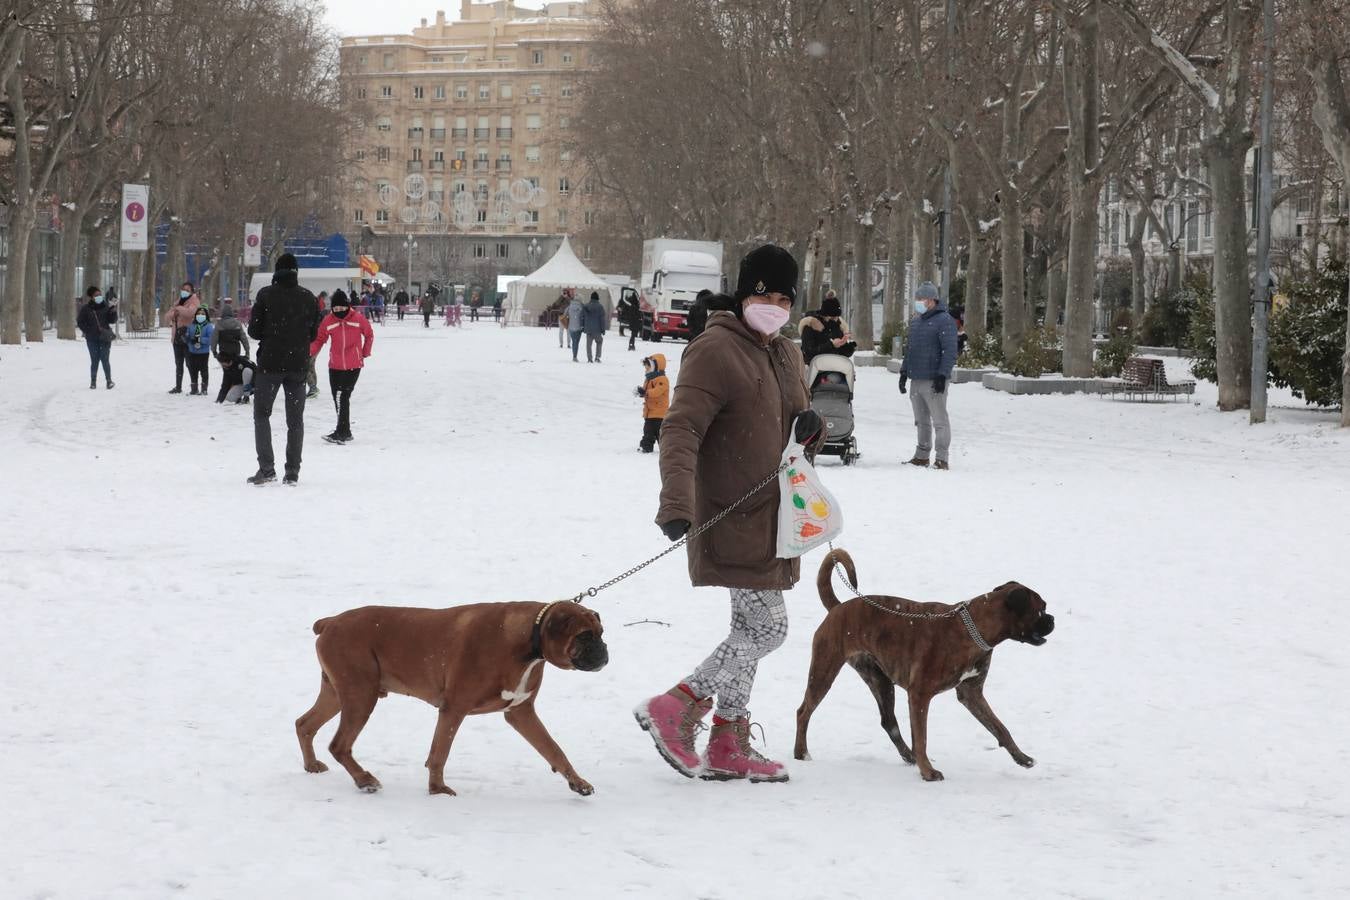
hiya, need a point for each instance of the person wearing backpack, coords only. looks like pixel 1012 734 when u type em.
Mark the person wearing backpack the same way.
pixel 197 339
pixel 229 338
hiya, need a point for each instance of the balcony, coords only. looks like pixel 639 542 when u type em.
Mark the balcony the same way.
pixel 503 165
pixel 482 134
pixel 480 165
pixel 435 196
pixel 504 134
pixel 459 133
pixel 438 134
pixel 414 165
pixel 436 165
pixel 415 134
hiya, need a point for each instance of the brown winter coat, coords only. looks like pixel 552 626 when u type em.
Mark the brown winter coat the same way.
pixel 735 399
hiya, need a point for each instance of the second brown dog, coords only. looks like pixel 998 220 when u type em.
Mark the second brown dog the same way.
pixel 466 660
pixel 925 656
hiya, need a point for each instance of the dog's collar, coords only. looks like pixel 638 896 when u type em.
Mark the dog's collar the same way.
pixel 963 610
pixel 537 633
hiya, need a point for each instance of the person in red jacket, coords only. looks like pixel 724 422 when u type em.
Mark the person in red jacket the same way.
pixel 352 339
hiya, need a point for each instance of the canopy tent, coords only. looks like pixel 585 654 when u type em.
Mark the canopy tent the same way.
pixel 527 297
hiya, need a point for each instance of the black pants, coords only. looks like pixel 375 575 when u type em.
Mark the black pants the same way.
pixel 651 433
pixel 179 357
pixel 198 367
pixel 400 313
pixel 473 314
pixel 98 354
pixel 231 377
pixel 632 338
pixel 426 318
pixel 266 386
pixel 342 382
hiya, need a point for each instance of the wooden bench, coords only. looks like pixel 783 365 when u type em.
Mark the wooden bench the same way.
pixel 1145 378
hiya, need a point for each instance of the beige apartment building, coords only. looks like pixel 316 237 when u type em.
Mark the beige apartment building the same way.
pixel 464 141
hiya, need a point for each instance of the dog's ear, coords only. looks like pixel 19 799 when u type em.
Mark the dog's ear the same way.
pixel 1018 599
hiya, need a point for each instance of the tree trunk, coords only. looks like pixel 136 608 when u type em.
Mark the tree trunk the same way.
pixel 924 265
pixel 838 268
pixel 33 309
pixel 1014 278
pixel 16 275
pixel 1056 287
pixel 1232 291
pixel 897 251
pixel 1037 287
pixel 1082 269
pixel 1345 372
pixel 68 293
pixel 817 275
pixel 93 259
pixel 1082 100
pixel 863 331
pixel 977 286
pixel 1137 260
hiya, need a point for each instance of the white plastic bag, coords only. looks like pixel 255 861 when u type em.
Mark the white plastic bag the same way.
pixel 808 514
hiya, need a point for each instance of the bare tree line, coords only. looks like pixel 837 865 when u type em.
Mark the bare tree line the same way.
pixel 828 126
pixel 228 109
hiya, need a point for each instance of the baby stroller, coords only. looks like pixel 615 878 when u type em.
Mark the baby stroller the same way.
pixel 830 379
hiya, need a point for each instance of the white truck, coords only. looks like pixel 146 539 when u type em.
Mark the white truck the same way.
pixel 673 272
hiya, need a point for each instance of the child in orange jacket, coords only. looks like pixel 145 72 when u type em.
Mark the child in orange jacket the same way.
pixel 655 394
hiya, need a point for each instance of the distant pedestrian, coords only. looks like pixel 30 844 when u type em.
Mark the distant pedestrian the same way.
pixel 930 354
pixel 229 338
pixel 377 306
pixel 961 339
pixel 825 331
pixel 311 373
pixel 428 307
pixel 497 310
pixel 475 303
pixel 629 314
pixel 178 318
pixel 284 323
pixel 655 394
pixel 352 339
pixel 595 322
pixel 560 311
pixel 401 302
pixel 197 339
pixel 698 314
pixel 575 319
pixel 95 320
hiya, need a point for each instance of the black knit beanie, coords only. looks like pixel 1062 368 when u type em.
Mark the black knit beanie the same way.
pixel 767 270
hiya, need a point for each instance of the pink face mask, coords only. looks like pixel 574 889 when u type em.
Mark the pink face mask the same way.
pixel 766 318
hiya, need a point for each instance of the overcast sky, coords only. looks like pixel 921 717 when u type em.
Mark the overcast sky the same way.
pixel 349 17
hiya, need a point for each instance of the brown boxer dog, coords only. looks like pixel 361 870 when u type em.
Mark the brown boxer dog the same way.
pixel 923 656
pixel 466 660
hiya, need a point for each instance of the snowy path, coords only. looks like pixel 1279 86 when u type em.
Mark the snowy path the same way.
pixel 1187 714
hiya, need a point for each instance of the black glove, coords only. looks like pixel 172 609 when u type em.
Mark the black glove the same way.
pixel 939 383
pixel 808 427
pixel 675 529
pixel 639 392
pixel 903 379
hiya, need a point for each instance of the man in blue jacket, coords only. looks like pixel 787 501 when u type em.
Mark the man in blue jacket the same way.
pixel 929 356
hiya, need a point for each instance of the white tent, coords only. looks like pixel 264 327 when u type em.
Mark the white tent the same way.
pixel 527 297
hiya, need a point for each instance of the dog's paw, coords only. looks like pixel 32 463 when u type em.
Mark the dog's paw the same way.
pixel 368 783
pixel 581 786
pixel 315 767
pixel 1024 761
pixel 932 775
pixel 441 789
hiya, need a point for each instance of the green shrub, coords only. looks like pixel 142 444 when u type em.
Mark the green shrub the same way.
pixel 982 353
pixel 1204 355
pixel 1037 354
pixel 1112 355
pixel 1168 321
pixel 1307 337
pixel 888 334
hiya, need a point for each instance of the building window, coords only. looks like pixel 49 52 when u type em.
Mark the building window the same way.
pixel 562 218
pixel 360 93
pixel 382 154
pixel 1304 205
pixel 564 122
pixel 1193 227
pixel 564 186
pixel 358 215
pixel 588 187
pixel 533 181
pixel 503 251
pixel 417 154
pixel 505 91
pixel 533 122
pixel 460 187
pixel 536 89
pixel 532 153
pixel 381 215
pixel 383 123
pixel 386 91
pixel 590 217
pixel 361 62
pixel 565 154
pixel 566 90
pixel 482 219
pixel 438 155
pixel 480 250
pixel 438 92
pixel 484 92
pixel 461 92
pixel 539 57
pixel 360 156
pixel 1209 225
pixel 419 92
pixel 585 251
pixel 388 61
pixel 567 57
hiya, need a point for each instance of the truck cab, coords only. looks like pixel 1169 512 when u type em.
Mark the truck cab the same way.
pixel 673 274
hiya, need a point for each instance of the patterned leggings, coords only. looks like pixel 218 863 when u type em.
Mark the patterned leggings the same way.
pixel 758 627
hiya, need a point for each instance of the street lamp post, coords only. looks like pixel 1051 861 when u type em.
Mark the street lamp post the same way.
pixel 409 245
pixel 532 251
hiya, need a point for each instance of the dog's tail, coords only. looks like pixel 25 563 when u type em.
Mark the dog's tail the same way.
pixel 320 625
pixel 823 578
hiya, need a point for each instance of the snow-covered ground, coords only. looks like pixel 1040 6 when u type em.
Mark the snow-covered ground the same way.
pixel 1188 714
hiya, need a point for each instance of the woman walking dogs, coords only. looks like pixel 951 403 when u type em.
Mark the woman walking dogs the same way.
pixel 740 387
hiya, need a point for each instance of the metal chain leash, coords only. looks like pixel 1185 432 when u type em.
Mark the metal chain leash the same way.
pixel 592 591
pixel 961 609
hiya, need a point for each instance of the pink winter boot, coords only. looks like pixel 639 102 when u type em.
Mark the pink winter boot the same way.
pixel 673 719
pixel 730 755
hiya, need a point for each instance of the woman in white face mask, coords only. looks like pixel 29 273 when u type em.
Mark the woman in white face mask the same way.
pixel 739 390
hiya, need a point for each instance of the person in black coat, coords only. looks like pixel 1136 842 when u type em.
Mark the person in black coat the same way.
pixel 284 322
pixel 95 320
pixel 401 301
pixel 629 314
pixel 824 331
